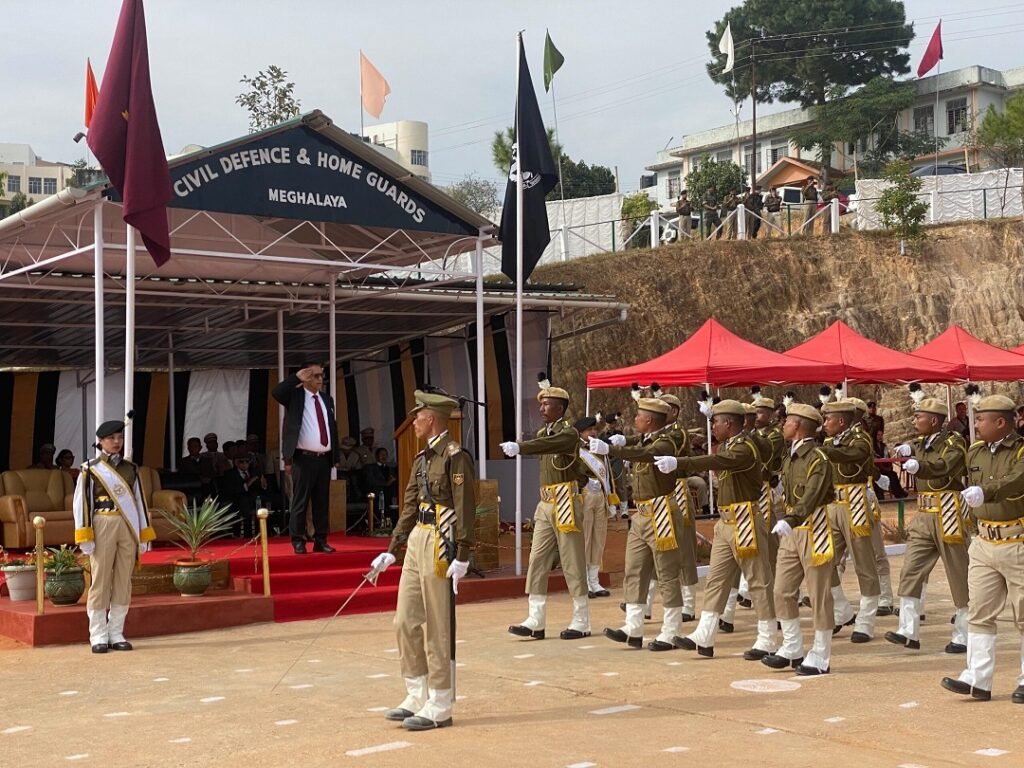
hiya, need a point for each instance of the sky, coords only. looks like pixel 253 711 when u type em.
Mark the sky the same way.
pixel 633 81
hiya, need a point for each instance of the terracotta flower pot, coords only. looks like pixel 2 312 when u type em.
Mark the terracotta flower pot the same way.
pixel 192 577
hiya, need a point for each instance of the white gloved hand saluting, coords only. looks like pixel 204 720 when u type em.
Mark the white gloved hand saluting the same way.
pixel 617 440
pixel 973 497
pixel 598 446
pixel 87 547
pixel 509 449
pixel 666 464
pixel 383 561
pixel 456 571
pixel 884 482
pixel 782 529
pixel 904 451
pixel 705 409
pixel 912 466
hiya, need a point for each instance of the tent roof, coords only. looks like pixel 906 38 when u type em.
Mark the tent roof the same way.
pixel 975 359
pixel 861 360
pixel 715 355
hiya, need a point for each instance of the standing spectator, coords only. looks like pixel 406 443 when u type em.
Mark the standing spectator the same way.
pixel 241 488
pixel 684 209
pixel 728 207
pixel 810 195
pixel 873 420
pixel 830 194
pixel 309 452
pixel 66 463
pixel 380 481
pixel 755 204
pixel 773 209
pixel 882 452
pixel 960 422
pixel 44 456
pixel 711 218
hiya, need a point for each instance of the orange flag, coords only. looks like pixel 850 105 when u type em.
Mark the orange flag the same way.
pixel 373 87
pixel 92 93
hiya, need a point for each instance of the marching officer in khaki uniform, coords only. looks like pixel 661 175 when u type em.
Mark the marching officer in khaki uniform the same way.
pixel 436 524
pixel 557 519
pixel 995 471
pixel 806 546
pixel 651 546
pixel 740 543
pixel 937 458
pixel 112 527
pixel 599 503
pixel 852 457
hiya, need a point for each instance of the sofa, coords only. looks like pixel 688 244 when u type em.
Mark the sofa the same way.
pixel 25 493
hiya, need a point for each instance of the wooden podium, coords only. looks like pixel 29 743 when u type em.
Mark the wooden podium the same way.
pixel 409 446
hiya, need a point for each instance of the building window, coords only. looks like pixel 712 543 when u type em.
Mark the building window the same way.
pixel 777 152
pixel 418 157
pixel 924 120
pixel 14 184
pixel 49 186
pixel 672 185
pixel 956 115
pixel 724 156
pixel 35 185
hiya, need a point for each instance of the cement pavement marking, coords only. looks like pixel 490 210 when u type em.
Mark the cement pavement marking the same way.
pixel 675 663
pixel 615 710
pixel 183 740
pixel 911 765
pixel 211 699
pixel 312 661
pixel 834 719
pixel 909 705
pixel 534 683
pixel 81 756
pixel 389 747
pixel 610 674
pixel 523 656
pixel 395 650
pixel 285 722
pixel 245 669
pixel 116 714
pixel 378 709
pixel 676 749
pixel 585 647
pixel 767 731
pixel 765 686
pixel 68 693
pixel 161 679
pixel 378 676
pixel 16 729
pixel 582 765
pixel 991 752
pixel 300 686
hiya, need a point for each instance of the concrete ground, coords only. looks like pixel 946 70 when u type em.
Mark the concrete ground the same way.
pixel 311 694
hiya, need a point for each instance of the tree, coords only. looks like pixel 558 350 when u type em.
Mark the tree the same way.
pixel 901 209
pixel 898 145
pixel 19 202
pixel 270 100
pixel 727 178
pixel 479 195
pixel 635 211
pixel 582 180
pixel 1001 134
pixel 501 148
pixel 82 173
pixel 809 51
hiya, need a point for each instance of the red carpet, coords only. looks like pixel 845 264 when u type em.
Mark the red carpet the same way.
pixel 310 586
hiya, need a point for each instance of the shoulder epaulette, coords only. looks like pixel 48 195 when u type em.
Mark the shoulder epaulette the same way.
pixel 976 443
pixel 453 448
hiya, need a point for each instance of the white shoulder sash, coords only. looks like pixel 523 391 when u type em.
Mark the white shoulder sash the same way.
pixel 598 468
pixel 117 488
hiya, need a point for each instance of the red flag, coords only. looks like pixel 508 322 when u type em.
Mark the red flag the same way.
pixel 125 135
pixel 92 93
pixel 933 53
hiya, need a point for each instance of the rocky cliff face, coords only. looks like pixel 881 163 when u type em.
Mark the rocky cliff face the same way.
pixel 778 293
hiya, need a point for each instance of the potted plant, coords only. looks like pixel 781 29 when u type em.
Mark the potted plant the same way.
pixel 197 526
pixel 20 575
pixel 65 579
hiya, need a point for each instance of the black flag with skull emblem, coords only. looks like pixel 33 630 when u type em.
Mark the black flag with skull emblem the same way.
pixel 531 156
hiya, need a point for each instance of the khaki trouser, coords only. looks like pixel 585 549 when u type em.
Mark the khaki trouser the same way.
pixel 995 577
pixel 726 566
pixel 698 491
pixel 644 561
pixel 595 525
pixel 861 549
pixel 549 541
pixel 111 563
pixel 810 207
pixel 793 565
pixel 423 614
pixel 924 547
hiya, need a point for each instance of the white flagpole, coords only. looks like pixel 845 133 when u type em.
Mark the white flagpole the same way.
pixel 936 121
pixel 361 129
pixel 561 183
pixel 519 316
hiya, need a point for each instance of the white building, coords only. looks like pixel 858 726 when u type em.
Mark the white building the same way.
pixel 964 96
pixel 29 174
pixel 409 139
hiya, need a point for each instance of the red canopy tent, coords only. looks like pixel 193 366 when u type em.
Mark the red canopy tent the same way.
pixel 975 359
pixel 861 360
pixel 715 355
pixel 1018 350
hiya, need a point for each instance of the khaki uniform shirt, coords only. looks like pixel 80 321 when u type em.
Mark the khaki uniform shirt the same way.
pixel 557 444
pixel 648 482
pixel 806 481
pixel 738 463
pixel 852 455
pixel 1000 473
pixel 943 460
pixel 771 460
pixel 449 476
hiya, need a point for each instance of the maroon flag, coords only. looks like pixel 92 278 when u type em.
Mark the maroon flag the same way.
pixel 933 53
pixel 125 136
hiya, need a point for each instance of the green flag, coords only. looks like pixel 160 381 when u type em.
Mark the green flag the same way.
pixel 553 61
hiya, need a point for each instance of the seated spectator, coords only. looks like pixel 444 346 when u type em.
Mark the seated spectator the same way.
pixel 242 489
pixel 348 468
pixel 66 463
pixel 366 448
pixel 44 457
pixel 191 463
pixel 216 463
pixel 381 481
pixel 257 459
pixel 895 487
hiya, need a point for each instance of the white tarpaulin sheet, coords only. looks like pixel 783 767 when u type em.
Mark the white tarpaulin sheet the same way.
pixel 218 401
pixel 959 197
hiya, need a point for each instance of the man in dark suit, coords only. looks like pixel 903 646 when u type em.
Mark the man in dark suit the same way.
pixel 309 452
pixel 241 487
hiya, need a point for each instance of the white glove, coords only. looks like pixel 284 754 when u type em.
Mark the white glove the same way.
pixel 973 496
pixel 871 495
pixel 510 449
pixel 705 409
pixel 782 529
pixel 456 571
pixel 666 464
pixel 383 561
pixel 912 466
pixel 87 547
pixel 598 446
pixel 144 547
pixel 904 451
pixel 883 480
pixel 617 440
pixel 778 493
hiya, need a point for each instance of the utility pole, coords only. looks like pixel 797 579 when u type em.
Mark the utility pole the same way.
pixel 753 106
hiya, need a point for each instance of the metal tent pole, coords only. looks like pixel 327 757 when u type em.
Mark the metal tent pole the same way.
pixel 99 393
pixel 332 347
pixel 481 378
pixel 172 411
pixel 129 341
